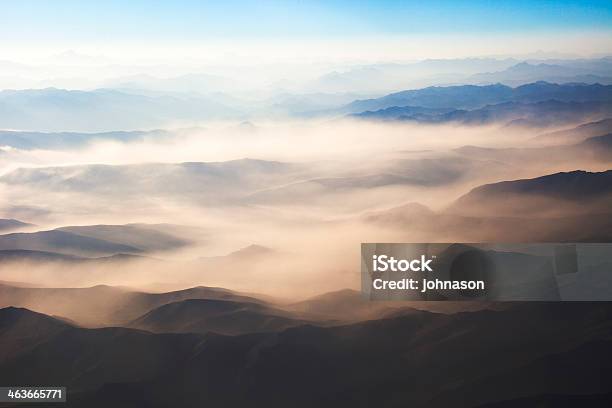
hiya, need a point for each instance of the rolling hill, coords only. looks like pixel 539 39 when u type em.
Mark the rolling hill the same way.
pixel 488 227
pixel 80 242
pixel 7 225
pixel 212 315
pixel 526 350
pixel 596 149
pixel 84 358
pixel 64 243
pixel 576 192
pixel 577 134
pixel 208 182
pixel 107 305
pixel 147 238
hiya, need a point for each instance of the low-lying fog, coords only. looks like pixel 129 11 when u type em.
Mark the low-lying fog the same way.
pixel 308 195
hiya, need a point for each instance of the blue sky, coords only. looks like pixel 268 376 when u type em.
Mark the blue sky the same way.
pixel 136 20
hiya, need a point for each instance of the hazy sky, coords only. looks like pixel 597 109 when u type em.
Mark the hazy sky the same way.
pixel 346 29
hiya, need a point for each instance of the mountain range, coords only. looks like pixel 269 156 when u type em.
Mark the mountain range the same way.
pixel 594 149
pixel 527 72
pixel 100 110
pixel 62 242
pixel 102 290
pixel 538 114
pixel 577 134
pixel 466 97
pixel 105 110
pixel 95 240
pixel 576 192
pixel 70 140
pixel 223 181
pixel 475 71
pixel 525 351
pixel 561 207
pixel 104 305
pixel 218 316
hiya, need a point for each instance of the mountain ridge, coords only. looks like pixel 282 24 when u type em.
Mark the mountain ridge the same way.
pixel 476 96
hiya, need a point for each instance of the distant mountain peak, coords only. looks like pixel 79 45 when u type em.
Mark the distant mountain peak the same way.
pixel 11 224
pixel 251 251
